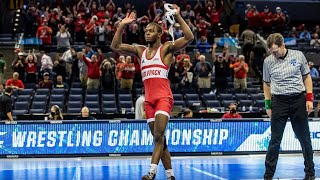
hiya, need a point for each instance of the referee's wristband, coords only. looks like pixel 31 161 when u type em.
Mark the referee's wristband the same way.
pixel 267 103
pixel 310 97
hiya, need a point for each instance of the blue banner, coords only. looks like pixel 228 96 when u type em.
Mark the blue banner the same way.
pixel 121 137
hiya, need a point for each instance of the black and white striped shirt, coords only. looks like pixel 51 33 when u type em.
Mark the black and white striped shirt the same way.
pixel 285 75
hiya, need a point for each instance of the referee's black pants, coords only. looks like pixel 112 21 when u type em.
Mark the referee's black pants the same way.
pixel 293 107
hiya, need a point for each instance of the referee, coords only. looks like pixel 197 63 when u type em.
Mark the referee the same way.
pixel 288 94
pixel 6 105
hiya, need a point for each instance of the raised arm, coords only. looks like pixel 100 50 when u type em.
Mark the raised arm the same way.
pixel 187 38
pixel 213 54
pixel 117 44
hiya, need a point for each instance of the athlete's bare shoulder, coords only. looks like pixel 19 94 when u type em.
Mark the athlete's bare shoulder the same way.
pixel 140 48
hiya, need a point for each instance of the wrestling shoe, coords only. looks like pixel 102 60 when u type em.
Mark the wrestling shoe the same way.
pixel 150 176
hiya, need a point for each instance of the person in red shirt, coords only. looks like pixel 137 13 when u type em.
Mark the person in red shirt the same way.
pixel 240 73
pixel 232 114
pixel 127 75
pixel 90 27
pixel 15 82
pixel 79 28
pixel 46 83
pixel 31 67
pixel 93 69
pixel 44 33
pixel 266 20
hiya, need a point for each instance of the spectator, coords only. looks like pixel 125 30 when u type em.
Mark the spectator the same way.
pixel 102 32
pixel 249 40
pixel 3 67
pixel 305 35
pixel 221 68
pixel 108 76
pixel 46 83
pixel 313 71
pixel 79 29
pixel 46 64
pixel 90 29
pixel 253 17
pixel 188 13
pixel 18 66
pixel 187 113
pixel 177 32
pixel 60 83
pixel 93 70
pixel 232 112
pixel 88 50
pixel 15 82
pixel 6 105
pixel 134 35
pixel 63 39
pixel 279 20
pixel 44 34
pixel 85 114
pixel 266 18
pixel 83 69
pixel 139 107
pixel 119 15
pixel 257 56
pixel 187 74
pixel 315 42
pixel 203 70
pixel 127 74
pixel 55 113
pixel 203 46
pixel 234 21
pixel 31 67
pixel 294 33
pixel 240 73
pixel 59 67
pixel 69 57
pixel 173 75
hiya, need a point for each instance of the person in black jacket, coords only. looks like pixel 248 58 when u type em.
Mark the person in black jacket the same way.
pixel 85 114
pixel 6 105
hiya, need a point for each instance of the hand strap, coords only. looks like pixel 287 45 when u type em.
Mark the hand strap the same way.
pixel 170 11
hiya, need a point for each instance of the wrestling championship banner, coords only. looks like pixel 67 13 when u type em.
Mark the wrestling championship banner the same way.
pixel 126 137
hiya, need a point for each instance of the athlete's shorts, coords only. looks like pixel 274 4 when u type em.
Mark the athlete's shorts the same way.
pixel 159 106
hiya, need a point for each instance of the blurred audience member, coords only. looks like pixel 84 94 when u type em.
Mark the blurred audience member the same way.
pixel 187 113
pixel 60 83
pixel 55 113
pixel 31 68
pixel 3 68
pixel 240 73
pixel 18 65
pixel 313 71
pixel 139 107
pixel 203 71
pixel 46 83
pixel 315 42
pixel 232 112
pixel 15 82
pixel 85 114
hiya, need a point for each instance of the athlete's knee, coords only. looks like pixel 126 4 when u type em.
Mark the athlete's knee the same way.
pixel 158 137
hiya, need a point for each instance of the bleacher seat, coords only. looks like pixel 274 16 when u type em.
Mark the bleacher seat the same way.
pixel 92 97
pixel 252 90
pixel 74 104
pixel 241 96
pixel 24 105
pixel 245 102
pixel 76 85
pixel 110 111
pixel 209 97
pixel 57 97
pixel 124 91
pixel 74 110
pixel 93 91
pixel 226 103
pixel 194 103
pixel 26 92
pixel 180 103
pixel 259 103
pixel 58 91
pixel 125 97
pixel 213 103
pixel 109 104
pixel 29 85
pixel 255 97
pixel 178 97
pixel 192 97
pixel 108 97
pixel 75 97
pixel 39 98
pixel 76 91
pixel 223 96
pixel 43 92
pixel 21 98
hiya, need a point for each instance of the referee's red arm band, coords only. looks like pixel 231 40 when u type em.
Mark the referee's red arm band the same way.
pixel 310 97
